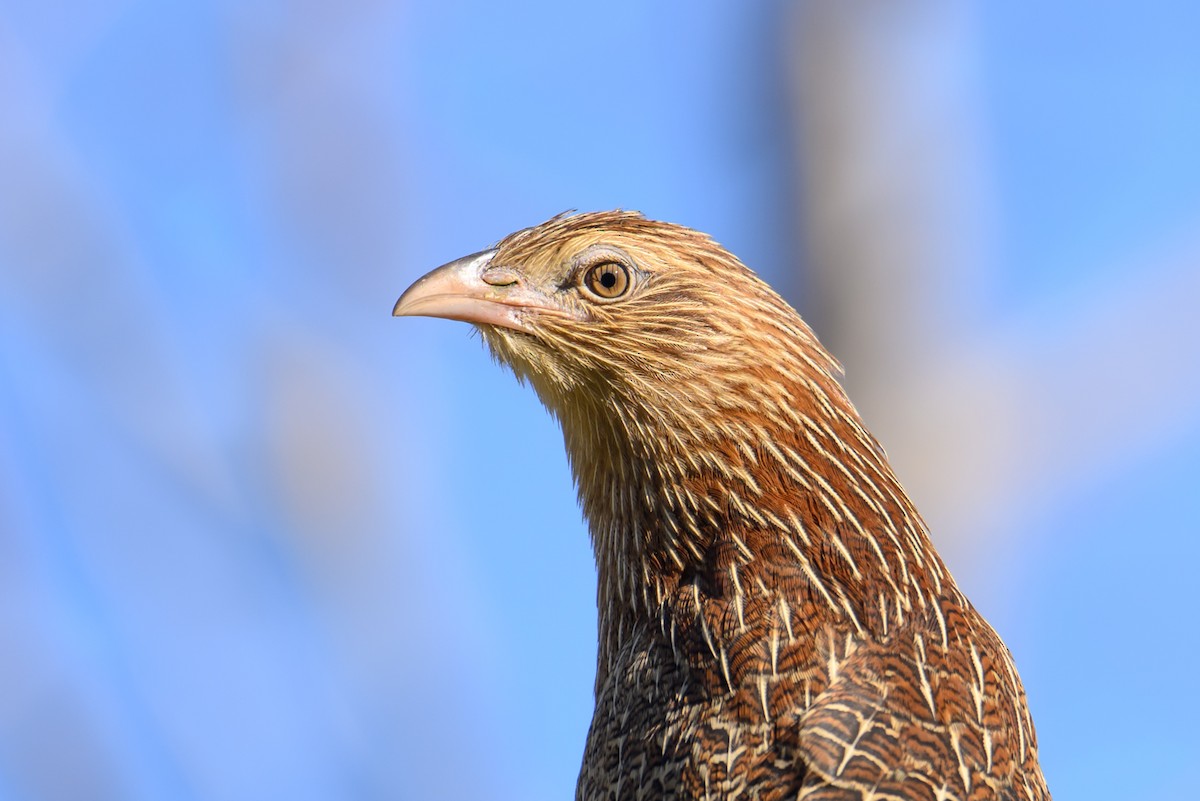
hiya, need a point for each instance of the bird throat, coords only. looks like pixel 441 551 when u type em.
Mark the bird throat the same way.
pixel 675 506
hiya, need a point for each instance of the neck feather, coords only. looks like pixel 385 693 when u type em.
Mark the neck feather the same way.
pixel 677 492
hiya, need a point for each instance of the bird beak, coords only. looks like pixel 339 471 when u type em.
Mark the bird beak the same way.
pixel 473 290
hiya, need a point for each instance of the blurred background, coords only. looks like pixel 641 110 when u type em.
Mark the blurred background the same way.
pixel 260 540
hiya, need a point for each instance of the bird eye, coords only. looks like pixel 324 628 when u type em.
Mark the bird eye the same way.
pixel 608 280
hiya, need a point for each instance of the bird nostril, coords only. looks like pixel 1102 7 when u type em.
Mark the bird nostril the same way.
pixel 499 276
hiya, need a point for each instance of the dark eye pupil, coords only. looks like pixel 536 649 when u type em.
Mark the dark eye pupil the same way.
pixel 608 279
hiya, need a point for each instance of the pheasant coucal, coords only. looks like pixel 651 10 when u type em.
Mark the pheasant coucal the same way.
pixel 774 621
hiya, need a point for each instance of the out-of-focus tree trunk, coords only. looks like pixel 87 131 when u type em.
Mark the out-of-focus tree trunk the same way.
pixel 892 216
pixel 982 420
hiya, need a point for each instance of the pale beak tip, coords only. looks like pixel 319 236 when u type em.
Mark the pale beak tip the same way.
pixel 453 291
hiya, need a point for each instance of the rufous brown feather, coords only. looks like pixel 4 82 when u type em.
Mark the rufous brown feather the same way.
pixel 774 620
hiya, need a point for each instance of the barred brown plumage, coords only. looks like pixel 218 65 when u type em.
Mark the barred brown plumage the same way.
pixel 774 621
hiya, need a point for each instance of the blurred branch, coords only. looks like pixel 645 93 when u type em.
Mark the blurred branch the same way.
pixel 980 423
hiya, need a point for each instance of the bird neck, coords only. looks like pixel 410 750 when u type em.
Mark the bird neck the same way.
pixel 788 501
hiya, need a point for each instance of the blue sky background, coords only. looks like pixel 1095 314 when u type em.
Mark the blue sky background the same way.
pixel 260 540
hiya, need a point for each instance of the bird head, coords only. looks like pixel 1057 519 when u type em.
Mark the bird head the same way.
pixel 694 402
pixel 614 317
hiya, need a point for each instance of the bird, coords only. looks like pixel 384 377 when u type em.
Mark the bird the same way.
pixel 773 620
